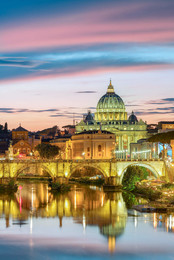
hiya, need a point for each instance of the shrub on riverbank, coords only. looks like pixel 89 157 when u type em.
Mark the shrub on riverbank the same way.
pixel 129 199
pixel 167 185
pixel 57 187
pixel 132 182
pixel 10 187
pixel 133 175
pixel 147 192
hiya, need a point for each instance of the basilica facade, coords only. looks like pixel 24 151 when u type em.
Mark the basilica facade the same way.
pixel 111 116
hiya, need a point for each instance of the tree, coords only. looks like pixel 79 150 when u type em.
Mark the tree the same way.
pixel 1 128
pixel 6 128
pixel 133 175
pixel 47 151
pixel 164 138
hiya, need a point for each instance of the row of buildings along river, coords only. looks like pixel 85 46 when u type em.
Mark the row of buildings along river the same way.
pixel 109 133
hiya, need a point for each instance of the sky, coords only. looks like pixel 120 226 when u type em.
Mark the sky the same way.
pixel 57 58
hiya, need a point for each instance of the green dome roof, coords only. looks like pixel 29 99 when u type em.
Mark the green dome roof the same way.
pixel 111 101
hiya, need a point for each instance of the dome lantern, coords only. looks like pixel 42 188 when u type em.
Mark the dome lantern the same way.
pixel 110 88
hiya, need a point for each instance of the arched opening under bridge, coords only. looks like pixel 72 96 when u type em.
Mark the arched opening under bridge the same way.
pixel 146 171
pixel 90 172
pixel 33 171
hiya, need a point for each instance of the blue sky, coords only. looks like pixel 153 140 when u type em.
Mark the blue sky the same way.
pixel 57 57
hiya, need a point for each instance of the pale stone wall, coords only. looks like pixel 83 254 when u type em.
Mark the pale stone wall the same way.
pixel 93 146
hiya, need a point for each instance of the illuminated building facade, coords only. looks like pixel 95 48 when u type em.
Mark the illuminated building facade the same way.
pixel 94 144
pixel 165 126
pixel 22 147
pixel 20 142
pixel 111 116
pixel 144 150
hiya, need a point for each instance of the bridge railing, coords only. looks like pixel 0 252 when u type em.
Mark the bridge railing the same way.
pixel 76 161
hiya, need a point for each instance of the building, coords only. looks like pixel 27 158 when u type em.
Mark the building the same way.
pixel 70 129
pixel 22 147
pixel 165 126
pixel 144 150
pixel 20 144
pixel 111 116
pixel 34 140
pixel 23 142
pixel 19 133
pixel 95 144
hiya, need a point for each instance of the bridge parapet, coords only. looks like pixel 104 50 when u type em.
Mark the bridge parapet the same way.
pixel 65 168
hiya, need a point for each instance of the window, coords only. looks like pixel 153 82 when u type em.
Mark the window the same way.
pixel 99 148
pixel 88 149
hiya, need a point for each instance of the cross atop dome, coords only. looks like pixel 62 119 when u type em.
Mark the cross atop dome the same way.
pixel 110 88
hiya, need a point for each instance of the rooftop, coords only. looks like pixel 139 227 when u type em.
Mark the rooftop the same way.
pixel 20 129
pixel 94 132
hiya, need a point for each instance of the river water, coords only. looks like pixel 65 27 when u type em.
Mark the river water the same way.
pixel 85 223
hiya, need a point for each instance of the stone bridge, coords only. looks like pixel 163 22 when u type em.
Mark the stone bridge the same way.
pixel 112 170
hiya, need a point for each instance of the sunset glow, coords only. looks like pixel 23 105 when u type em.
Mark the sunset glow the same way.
pixel 57 58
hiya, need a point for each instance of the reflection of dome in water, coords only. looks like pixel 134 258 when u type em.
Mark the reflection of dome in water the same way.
pixel 110 106
pixel 114 230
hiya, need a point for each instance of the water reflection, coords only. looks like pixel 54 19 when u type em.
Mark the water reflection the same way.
pixel 84 205
pixel 164 222
pixel 87 206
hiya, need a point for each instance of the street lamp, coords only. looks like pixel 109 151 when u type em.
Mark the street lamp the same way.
pixel 83 155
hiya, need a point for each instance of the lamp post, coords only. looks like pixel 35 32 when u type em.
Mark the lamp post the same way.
pixel 83 155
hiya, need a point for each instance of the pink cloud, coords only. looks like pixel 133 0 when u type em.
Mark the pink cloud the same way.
pixel 87 72
pixel 86 28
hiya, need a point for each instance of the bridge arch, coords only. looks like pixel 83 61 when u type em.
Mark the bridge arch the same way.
pixel 84 165
pixel 147 166
pixel 24 167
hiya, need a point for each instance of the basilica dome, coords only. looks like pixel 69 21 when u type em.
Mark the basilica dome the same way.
pixel 132 118
pixel 110 106
pixel 111 101
pixel 89 118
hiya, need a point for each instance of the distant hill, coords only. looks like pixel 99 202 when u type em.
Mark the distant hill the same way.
pixel 164 138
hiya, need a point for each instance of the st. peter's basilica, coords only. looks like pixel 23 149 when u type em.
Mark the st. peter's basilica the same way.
pixel 111 116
